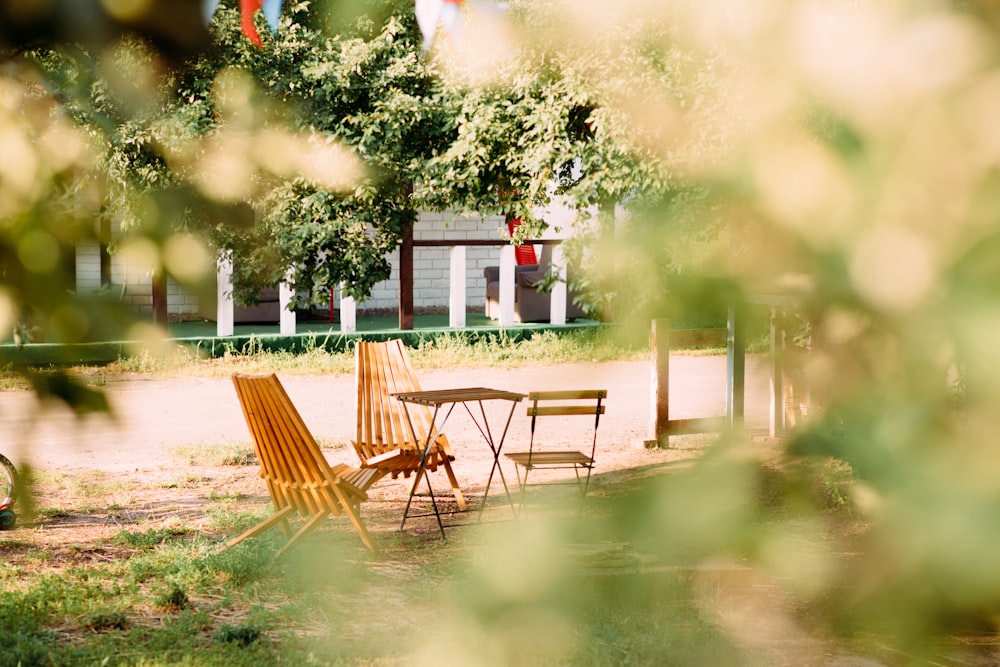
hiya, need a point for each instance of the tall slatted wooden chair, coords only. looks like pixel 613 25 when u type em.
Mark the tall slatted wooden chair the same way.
pixel 579 403
pixel 384 440
pixel 298 476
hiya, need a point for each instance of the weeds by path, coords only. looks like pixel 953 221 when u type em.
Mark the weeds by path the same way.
pixel 128 572
pixel 456 351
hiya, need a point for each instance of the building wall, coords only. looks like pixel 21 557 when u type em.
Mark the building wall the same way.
pixel 431 267
pixel 88 266
pixel 138 292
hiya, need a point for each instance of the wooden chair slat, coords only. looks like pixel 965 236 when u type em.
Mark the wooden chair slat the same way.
pixel 568 410
pixel 562 403
pixel 298 477
pixel 384 439
pixel 551 458
pixel 567 394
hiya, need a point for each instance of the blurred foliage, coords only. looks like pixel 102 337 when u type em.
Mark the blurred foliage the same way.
pixel 842 154
pixel 53 187
pixel 175 29
pixel 850 167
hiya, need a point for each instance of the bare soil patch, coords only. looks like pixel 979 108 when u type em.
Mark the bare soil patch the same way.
pixel 97 475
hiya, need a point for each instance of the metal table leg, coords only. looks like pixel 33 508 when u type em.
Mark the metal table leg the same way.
pixel 432 436
pixel 495 448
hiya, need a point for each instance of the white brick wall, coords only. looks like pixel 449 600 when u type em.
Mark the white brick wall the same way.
pixel 431 266
pixel 88 266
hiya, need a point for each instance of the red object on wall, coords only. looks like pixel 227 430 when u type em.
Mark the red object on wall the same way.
pixel 247 9
pixel 524 253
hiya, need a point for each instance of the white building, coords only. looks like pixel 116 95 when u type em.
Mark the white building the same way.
pixel 431 266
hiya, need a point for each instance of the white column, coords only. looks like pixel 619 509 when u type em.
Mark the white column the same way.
pixel 506 285
pixel 457 295
pixel 557 298
pixel 286 317
pixel 348 313
pixel 224 296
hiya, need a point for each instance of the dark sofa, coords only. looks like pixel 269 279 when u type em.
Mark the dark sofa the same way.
pixel 530 303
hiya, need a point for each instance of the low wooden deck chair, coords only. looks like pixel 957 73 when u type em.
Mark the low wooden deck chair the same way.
pixel 384 441
pixel 580 403
pixel 298 476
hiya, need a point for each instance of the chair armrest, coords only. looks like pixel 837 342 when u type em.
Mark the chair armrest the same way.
pixel 530 278
pixel 492 273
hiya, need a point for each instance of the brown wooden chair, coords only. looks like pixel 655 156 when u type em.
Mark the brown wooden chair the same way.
pixel 580 403
pixel 298 476
pixel 384 440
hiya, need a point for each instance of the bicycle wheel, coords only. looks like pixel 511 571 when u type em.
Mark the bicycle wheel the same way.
pixel 8 482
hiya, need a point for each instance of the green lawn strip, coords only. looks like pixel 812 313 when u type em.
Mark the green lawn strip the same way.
pixel 445 349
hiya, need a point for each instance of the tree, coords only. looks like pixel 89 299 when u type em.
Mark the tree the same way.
pixel 854 173
pixel 52 188
pixel 367 91
pixel 338 139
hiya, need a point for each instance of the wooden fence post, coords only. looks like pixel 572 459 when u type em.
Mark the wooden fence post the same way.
pixel 506 295
pixel 736 357
pixel 286 317
pixel 776 416
pixel 558 296
pixel 659 409
pixel 348 313
pixel 159 298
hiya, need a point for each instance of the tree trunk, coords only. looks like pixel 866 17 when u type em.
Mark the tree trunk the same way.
pixel 406 281
pixel 160 298
pixel 104 237
pixel 606 216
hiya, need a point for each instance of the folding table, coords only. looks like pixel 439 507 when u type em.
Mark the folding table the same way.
pixel 438 398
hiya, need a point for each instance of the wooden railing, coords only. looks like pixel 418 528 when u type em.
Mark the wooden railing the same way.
pixel 457 286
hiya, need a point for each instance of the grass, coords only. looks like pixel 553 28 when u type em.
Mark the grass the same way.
pixel 451 351
pixel 151 591
pixel 113 572
pixel 83 583
pixel 239 453
pixel 457 350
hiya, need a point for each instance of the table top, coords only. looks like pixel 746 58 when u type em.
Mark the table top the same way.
pixel 437 397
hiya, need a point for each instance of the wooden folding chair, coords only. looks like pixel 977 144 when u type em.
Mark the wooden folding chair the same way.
pixel 384 440
pixel 298 476
pixel 580 403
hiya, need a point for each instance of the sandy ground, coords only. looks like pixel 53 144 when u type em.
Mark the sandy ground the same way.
pixel 153 417
pixel 96 475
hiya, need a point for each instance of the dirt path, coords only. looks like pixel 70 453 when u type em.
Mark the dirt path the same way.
pixel 153 417
pixel 137 480
pixel 104 477
pixel 100 474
